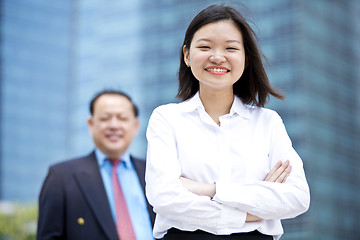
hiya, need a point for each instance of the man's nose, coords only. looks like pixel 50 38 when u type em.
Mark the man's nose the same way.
pixel 115 123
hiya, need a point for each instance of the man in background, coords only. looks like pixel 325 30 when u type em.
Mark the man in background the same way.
pixel 99 196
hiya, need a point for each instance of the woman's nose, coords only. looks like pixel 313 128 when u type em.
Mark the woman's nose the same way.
pixel 217 58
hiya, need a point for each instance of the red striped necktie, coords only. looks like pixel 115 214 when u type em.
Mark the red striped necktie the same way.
pixel 123 222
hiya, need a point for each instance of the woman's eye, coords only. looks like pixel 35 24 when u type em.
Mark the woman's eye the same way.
pixel 204 47
pixel 231 48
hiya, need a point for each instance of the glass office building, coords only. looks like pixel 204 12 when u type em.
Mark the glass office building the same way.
pixel 55 56
pixel 34 93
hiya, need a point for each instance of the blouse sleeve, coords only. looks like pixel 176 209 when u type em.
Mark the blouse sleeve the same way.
pixel 270 200
pixel 165 191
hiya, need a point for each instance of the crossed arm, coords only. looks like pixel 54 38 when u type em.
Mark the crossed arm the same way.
pixel 279 173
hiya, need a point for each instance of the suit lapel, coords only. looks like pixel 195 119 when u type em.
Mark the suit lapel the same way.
pixel 139 166
pixel 91 184
pixel 140 170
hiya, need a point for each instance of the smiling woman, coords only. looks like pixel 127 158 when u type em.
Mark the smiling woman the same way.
pixel 219 165
pixel 216 56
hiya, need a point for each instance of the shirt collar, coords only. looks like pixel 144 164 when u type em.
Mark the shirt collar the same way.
pixel 237 107
pixel 192 103
pixel 101 157
pixel 240 108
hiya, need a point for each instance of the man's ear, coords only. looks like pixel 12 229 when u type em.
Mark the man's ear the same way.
pixel 137 126
pixel 90 124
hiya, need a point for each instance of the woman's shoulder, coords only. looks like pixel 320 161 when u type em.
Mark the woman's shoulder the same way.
pixel 187 105
pixel 165 114
pixel 167 111
pixel 260 110
pixel 167 108
pixel 264 113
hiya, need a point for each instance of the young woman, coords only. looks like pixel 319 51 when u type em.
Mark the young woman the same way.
pixel 218 163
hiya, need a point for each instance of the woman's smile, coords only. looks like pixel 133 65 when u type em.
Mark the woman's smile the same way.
pixel 217 70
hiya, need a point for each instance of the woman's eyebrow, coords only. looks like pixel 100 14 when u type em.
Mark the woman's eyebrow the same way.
pixel 208 40
pixel 203 39
pixel 233 41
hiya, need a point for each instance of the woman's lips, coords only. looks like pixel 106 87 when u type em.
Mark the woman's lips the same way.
pixel 217 70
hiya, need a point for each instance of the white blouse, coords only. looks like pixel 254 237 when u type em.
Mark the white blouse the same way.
pixel 183 140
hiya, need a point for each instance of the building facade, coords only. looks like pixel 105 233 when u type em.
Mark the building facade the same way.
pixel 56 56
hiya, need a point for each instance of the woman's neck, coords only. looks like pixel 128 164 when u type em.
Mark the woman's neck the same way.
pixel 217 103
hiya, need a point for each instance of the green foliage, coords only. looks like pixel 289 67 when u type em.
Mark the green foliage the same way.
pixel 18 222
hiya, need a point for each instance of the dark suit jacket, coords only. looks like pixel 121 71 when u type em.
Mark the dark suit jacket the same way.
pixel 73 203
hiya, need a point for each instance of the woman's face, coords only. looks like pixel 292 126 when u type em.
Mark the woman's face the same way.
pixel 216 55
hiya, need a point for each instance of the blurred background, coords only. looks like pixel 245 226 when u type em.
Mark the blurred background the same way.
pixel 55 55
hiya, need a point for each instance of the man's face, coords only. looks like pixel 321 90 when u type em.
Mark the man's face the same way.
pixel 113 124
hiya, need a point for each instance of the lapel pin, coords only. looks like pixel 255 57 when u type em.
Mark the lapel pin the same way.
pixel 81 221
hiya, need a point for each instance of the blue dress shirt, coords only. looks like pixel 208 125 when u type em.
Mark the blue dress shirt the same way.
pixel 132 190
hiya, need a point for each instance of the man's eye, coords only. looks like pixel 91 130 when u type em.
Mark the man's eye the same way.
pixel 123 117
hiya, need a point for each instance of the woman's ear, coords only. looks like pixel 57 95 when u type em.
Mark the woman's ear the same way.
pixel 186 56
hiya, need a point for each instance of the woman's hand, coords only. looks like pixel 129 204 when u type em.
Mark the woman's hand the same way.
pixel 201 189
pixel 279 173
